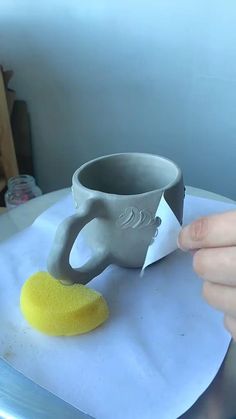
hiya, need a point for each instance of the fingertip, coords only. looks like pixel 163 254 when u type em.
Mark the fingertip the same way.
pixel 193 235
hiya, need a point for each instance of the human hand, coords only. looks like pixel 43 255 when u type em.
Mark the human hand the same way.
pixel 213 238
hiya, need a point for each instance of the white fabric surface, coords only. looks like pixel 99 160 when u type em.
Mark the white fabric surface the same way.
pixel 159 350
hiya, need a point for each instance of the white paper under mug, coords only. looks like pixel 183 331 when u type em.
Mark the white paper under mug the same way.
pixel 160 349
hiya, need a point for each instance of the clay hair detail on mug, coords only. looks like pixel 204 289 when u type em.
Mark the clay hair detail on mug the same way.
pixel 133 217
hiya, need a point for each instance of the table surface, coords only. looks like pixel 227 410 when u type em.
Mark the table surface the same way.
pixel 21 398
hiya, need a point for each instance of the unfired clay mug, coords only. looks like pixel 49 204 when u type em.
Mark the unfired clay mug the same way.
pixel 116 199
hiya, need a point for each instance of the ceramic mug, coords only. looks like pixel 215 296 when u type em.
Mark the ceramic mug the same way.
pixel 116 199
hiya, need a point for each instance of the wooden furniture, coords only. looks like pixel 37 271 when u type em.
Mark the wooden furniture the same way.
pixel 8 162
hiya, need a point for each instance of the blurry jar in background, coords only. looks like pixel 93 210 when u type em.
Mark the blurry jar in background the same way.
pixel 21 189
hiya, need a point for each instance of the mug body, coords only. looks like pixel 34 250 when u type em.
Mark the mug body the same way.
pixel 127 189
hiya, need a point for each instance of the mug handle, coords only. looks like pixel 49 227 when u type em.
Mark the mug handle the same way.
pixel 58 260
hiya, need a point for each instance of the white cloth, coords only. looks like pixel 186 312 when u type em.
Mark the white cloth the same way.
pixel 160 349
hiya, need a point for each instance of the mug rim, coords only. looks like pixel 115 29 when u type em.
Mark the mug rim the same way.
pixel 76 181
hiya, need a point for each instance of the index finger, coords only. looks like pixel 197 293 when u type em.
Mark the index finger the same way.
pixel 218 230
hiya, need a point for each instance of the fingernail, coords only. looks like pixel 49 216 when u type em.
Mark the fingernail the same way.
pixel 179 244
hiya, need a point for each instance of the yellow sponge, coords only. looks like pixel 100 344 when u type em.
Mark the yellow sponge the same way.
pixel 57 309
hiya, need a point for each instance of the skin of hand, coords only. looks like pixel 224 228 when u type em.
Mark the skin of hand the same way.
pixel 212 240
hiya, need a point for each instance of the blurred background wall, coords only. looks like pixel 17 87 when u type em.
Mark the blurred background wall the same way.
pixel 106 76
